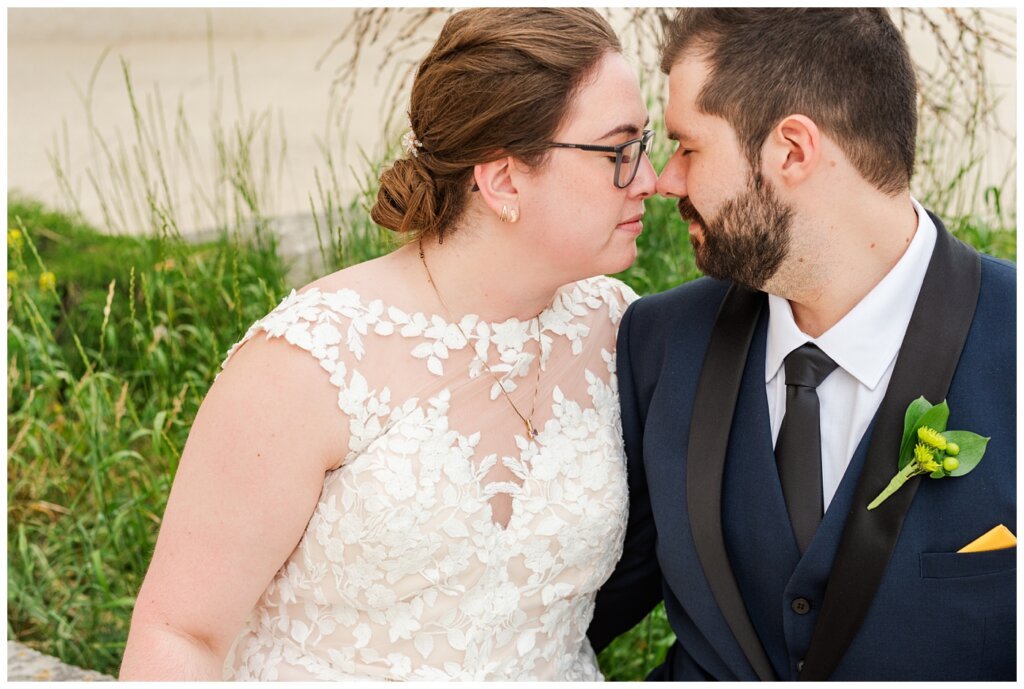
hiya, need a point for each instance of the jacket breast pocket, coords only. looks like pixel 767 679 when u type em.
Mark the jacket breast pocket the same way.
pixel 953 565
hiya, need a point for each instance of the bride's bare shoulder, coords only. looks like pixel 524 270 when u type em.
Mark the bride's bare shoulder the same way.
pixel 385 277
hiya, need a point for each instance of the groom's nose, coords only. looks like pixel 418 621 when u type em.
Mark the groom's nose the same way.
pixel 672 180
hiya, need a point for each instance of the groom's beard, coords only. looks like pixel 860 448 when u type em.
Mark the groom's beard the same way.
pixel 747 240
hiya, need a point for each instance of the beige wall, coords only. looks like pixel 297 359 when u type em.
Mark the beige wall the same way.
pixel 52 54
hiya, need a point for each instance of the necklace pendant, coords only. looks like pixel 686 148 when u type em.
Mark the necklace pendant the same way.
pixel 531 432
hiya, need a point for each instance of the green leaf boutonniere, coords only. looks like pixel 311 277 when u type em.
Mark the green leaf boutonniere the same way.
pixel 928 448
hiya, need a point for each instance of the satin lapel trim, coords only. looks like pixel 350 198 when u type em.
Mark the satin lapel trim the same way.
pixel 713 407
pixel 925 366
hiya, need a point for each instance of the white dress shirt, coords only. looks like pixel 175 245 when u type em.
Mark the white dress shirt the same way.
pixel 864 344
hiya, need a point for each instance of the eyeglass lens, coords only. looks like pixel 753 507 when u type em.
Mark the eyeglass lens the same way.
pixel 629 163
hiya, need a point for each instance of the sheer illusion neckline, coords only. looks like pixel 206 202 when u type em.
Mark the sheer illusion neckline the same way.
pixel 562 299
pixel 559 320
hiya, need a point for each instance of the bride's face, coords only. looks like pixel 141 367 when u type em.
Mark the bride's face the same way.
pixel 578 220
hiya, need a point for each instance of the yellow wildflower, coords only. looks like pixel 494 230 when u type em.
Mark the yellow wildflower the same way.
pixel 47 281
pixel 931 437
pixel 924 457
pixel 14 239
pixel 12 277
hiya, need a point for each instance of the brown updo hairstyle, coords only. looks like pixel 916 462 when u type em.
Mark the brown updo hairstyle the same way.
pixel 498 82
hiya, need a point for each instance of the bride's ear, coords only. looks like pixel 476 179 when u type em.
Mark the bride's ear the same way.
pixel 496 184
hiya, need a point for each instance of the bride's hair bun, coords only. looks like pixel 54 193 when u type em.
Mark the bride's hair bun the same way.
pixel 406 200
pixel 497 82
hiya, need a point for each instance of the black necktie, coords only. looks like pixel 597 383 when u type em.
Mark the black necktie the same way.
pixel 798 448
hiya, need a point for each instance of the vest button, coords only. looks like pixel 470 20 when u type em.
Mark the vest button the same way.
pixel 800 665
pixel 801 606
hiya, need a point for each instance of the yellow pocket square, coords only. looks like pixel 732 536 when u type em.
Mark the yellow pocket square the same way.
pixel 997 538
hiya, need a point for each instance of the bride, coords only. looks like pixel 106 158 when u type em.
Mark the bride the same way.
pixel 412 468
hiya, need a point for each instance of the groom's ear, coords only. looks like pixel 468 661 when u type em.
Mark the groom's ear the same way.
pixel 793 150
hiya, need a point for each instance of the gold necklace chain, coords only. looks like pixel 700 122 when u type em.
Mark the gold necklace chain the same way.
pixel 531 432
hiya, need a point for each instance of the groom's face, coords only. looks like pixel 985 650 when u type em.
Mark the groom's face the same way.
pixel 739 228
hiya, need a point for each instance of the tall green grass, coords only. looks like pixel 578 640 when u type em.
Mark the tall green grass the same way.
pixel 112 343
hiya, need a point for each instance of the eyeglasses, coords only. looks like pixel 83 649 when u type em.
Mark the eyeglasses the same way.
pixel 627 156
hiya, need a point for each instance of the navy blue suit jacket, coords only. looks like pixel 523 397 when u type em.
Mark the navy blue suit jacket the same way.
pixel 877 595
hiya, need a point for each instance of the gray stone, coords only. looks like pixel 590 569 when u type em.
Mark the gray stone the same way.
pixel 27 665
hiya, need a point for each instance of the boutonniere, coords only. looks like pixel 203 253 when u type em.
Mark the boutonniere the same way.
pixel 928 448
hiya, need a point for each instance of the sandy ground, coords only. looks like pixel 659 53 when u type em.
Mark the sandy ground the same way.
pixel 54 53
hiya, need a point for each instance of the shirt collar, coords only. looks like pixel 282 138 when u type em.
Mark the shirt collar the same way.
pixel 866 340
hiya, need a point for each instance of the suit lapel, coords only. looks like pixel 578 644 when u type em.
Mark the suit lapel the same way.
pixel 713 408
pixel 925 366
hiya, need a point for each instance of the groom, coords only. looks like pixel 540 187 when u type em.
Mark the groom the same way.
pixel 763 407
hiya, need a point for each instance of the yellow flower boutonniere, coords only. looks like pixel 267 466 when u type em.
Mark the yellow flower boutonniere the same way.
pixel 928 448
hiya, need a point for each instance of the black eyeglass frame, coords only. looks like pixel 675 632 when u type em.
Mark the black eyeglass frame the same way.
pixel 644 139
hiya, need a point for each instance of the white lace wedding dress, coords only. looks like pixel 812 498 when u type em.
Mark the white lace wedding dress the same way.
pixel 446 545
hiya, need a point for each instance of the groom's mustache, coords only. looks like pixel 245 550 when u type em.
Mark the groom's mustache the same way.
pixel 688 212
